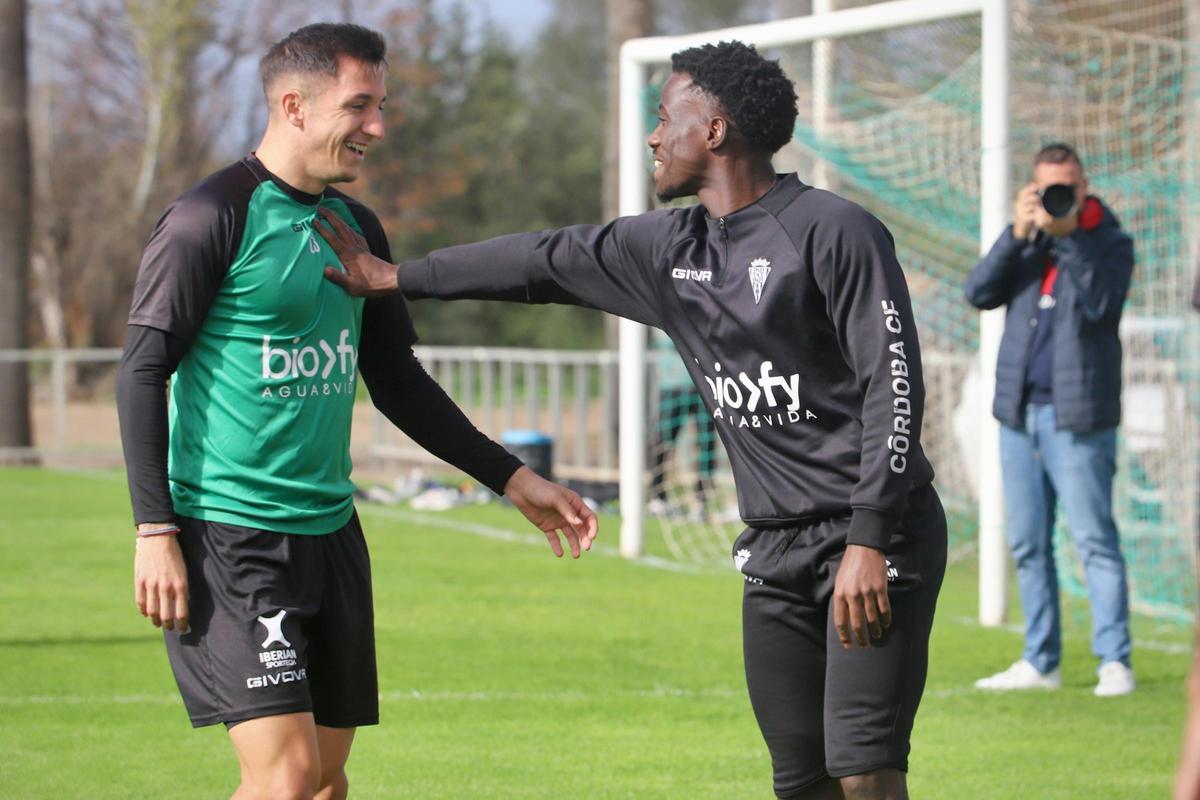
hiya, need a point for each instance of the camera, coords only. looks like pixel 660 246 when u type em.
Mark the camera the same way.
pixel 1059 200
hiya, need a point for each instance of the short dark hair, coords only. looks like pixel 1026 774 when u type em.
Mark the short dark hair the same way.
pixel 314 50
pixel 752 90
pixel 1057 153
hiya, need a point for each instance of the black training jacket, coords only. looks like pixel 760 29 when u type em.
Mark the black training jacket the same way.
pixel 792 316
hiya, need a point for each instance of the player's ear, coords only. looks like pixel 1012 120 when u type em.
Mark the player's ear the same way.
pixel 291 106
pixel 717 132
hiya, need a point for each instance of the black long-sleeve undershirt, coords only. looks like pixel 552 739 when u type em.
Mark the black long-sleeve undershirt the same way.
pixel 149 360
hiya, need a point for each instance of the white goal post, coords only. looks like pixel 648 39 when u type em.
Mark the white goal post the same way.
pixel 637 55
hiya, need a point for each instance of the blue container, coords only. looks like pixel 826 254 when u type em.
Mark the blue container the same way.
pixel 535 448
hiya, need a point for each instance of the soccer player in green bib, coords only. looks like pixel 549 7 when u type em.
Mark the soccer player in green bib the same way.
pixel 250 553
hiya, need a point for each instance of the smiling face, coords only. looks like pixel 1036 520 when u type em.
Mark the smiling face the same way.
pixel 680 141
pixel 341 118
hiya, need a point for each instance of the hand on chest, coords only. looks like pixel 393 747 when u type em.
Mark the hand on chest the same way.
pixel 278 276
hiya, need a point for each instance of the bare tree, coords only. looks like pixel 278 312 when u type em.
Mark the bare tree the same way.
pixel 168 36
pixel 140 97
pixel 15 428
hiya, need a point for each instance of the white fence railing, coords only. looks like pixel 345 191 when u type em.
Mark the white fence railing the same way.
pixel 51 379
pixel 569 395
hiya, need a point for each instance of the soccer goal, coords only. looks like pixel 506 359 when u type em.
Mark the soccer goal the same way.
pixel 927 113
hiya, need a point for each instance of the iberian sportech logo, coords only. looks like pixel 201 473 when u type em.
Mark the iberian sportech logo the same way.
pixel 293 370
pixel 280 661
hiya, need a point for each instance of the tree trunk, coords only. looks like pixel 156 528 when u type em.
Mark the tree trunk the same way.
pixel 50 232
pixel 15 428
pixel 168 37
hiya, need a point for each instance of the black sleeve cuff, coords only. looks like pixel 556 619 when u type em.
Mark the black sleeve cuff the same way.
pixel 497 477
pixel 870 528
pixel 412 278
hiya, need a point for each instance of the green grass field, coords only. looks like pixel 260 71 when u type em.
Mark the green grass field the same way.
pixel 505 673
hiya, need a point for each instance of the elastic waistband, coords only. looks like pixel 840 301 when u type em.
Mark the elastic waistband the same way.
pixel 917 494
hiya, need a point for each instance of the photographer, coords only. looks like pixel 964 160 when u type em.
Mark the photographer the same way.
pixel 1062 270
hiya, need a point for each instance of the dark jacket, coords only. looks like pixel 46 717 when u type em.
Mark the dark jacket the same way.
pixel 1094 266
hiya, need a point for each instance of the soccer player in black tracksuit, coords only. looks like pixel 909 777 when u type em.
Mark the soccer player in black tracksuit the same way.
pixel 793 318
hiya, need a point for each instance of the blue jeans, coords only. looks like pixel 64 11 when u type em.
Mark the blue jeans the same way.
pixel 1042 465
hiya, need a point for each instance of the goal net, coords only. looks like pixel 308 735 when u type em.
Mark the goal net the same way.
pixel 892 120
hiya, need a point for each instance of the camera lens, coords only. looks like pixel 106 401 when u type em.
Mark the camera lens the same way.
pixel 1058 199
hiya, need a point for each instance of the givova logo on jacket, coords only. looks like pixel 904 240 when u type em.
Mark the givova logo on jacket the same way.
pixel 314 370
pixel 747 402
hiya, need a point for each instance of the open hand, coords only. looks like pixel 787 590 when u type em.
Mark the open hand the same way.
pixel 365 275
pixel 553 509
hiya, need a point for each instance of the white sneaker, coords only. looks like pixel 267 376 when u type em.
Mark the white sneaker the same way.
pixel 1021 675
pixel 1115 679
pixel 657 507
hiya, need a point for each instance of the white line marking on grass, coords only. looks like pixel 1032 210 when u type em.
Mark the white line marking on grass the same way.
pixel 86 700
pixel 109 475
pixel 662 692
pixel 521 537
pixel 657 562
pixel 1174 648
pixel 409 695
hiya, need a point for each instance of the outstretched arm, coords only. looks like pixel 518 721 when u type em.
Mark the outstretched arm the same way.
pixel 413 401
pixel 611 267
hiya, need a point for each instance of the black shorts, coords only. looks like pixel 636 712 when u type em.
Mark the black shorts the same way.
pixel 280 623
pixel 825 711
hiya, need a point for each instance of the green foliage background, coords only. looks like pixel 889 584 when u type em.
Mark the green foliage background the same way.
pixel 486 139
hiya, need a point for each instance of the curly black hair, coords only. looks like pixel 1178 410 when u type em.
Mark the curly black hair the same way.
pixel 752 90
